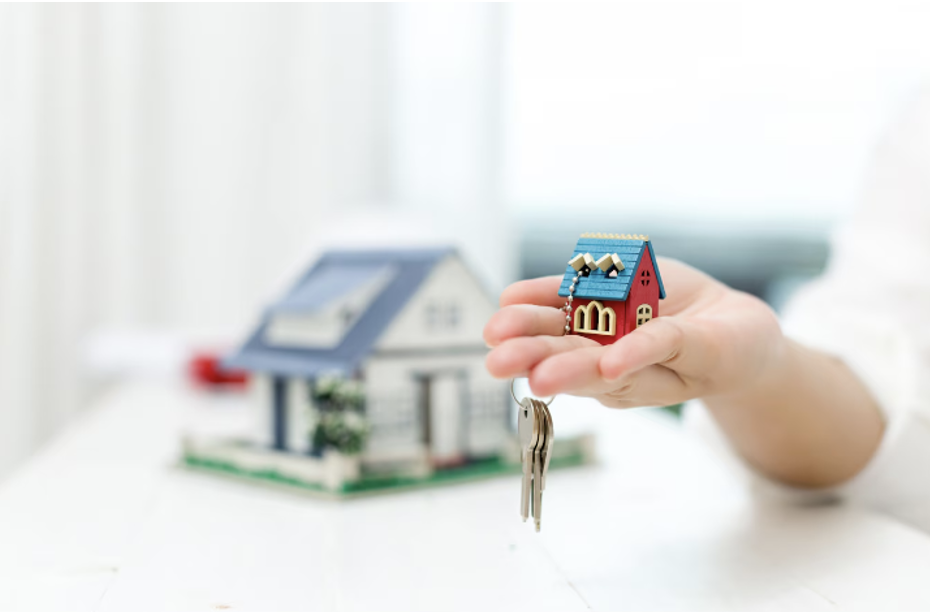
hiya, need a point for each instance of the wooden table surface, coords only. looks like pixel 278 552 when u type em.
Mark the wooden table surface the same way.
pixel 102 519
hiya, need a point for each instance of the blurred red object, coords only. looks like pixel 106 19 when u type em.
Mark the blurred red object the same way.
pixel 206 370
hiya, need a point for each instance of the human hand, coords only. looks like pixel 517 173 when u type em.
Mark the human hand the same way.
pixel 709 340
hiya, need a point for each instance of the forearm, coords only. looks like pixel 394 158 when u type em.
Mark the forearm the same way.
pixel 809 422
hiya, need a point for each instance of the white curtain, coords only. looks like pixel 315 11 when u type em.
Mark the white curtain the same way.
pixel 166 167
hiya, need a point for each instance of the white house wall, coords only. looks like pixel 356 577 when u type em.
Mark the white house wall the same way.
pixel 424 322
pixel 298 415
pixel 392 390
pixel 439 332
pixel 297 412
pixel 488 428
pixel 260 408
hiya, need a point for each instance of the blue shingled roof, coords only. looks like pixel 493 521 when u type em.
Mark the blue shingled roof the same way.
pixel 335 275
pixel 597 285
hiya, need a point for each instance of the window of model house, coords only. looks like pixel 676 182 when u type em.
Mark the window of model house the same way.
pixel 442 316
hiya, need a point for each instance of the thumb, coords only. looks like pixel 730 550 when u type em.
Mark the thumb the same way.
pixel 667 341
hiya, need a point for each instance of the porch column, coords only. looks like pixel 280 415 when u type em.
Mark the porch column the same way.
pixel 279 413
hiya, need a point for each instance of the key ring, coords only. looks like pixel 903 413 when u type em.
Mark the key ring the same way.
pixel 513 395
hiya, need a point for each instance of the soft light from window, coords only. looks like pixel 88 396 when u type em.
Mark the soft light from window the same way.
pixel 726 111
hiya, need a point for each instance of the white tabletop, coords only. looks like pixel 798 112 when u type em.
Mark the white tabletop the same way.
pixel 103 520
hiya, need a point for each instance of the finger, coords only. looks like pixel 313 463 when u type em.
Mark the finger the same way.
pixel 577 372
pixel 651 386
pixel 658 341
pixel 540 291
pixel 523 320
pixel 668 341
pixel 517 356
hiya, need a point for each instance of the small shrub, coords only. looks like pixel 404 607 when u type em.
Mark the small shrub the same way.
pixel 345 431
pixel 340 423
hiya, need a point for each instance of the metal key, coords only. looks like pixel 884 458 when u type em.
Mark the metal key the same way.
pixel 550 434
pixel 528 432
pixel 535 435
pixel 537 466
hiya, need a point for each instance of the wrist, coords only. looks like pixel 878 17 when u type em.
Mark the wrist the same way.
pixel 773 361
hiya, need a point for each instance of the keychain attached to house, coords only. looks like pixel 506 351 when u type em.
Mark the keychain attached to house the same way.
pixel 611 286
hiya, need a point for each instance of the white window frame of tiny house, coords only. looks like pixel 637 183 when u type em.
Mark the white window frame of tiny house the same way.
pixel 643 314
pixel 606 320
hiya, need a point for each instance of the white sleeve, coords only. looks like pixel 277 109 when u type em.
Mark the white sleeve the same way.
pixel 871 309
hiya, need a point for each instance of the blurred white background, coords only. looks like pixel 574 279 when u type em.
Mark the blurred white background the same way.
pixel 171 167
pixel 166 169
pixel 728 112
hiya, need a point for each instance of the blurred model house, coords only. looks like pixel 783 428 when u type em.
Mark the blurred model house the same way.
pixel 408 326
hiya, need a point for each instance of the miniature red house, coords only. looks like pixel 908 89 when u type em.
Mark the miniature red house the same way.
pixel 615 284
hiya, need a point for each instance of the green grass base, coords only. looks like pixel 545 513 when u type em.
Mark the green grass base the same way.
pixel 372 484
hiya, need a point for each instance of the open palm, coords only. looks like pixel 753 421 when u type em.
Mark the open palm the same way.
pixel 709 340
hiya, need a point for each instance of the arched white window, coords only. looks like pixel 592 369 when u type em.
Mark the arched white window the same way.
pixel 643 314
pixel 595 318
pixel 580 319
pixel 608 323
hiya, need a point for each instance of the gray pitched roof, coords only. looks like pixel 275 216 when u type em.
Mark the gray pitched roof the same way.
pixel 336 274
pixel 599 286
